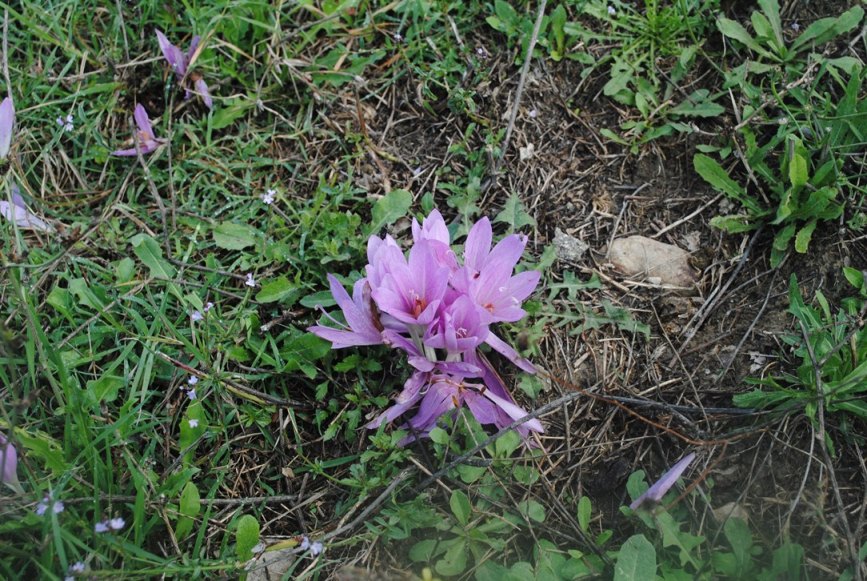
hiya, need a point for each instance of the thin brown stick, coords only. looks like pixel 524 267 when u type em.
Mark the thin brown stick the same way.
pixel 520 91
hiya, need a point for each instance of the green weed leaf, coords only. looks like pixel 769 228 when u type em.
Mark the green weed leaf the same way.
pixel 232 236
pixel 636 561
pixel 246 537
pixel 460 506
pixel 390 208
pixel 276 290
pixel 150 253
pixel 514 215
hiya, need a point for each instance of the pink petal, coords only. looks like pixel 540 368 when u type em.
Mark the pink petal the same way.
pixel 143 123
pixel 202 91
pixel 23 218
pixel 7 123
pixel 478 244
pixel 506 351
pixel 173 55
pixel 661 486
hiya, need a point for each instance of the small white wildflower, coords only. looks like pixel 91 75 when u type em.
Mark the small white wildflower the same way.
pixel 305 543
pixel 612 11
pixel 398 37
pixel 208 306
pixel 67 124
pixel 316 548
pixel 116 524
pixel 194 423
pixel 193 380
pixel 56 506
pixel 268 197
pixel 101 527
pixel 795 26
pixel 77 567
pixel 533 113
pixel 196 316
pixel 250 282
pixel 192 394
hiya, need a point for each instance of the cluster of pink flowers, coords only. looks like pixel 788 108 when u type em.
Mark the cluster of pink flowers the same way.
pixel 438 311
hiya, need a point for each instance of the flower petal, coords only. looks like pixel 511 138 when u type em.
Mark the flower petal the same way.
pixel 23 217
pixel 143 123
pixel 173 55
pixel 508 352
pixel 202 91
pixel 478 244
pixel 661 486
pixel 7 124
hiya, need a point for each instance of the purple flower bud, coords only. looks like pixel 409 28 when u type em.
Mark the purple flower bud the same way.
pixel 655 493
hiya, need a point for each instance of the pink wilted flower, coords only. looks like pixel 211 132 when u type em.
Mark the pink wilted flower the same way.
pixel 7 124
pixel 655 493
pixel 144 135
pixel 438 312
pixel 8 463
pixel 18 213
pixel 180 62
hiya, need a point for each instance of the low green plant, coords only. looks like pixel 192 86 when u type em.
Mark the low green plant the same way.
pixel 801 119
pixel 650 51
pixel 832 348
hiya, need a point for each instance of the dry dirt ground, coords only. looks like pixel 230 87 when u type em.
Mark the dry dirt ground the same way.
pixel 700 347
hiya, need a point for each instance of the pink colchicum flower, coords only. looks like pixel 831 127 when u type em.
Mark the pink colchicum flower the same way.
pixel 655 493
pixel 438 312
pixel 147 142
pixel 18 213
pixel 180 63
pixel 7 125
pixel 9 464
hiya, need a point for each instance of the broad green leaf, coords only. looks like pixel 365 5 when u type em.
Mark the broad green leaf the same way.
pixel 636 560
pixel 86 296
pixel 232 236
pixel 741 540
pixel 514 215
pixel 124 270
pixel 105 388
pixel 454 562
pixel 230 111
pixel 714 174
pixel 855 278
pixel 698 105
pixel 42 446
pixel 805 234
pixel 189 507
pixel 825 29
pixel 584 513
pixel 771 9
pixel 798 175
pixel 736 31
pixel 150 253
pixel 276 290
pixel 533 510
pixel 246 537
pixel 423 551
pixel 460 506
pixel 390 208
pixel 733 224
